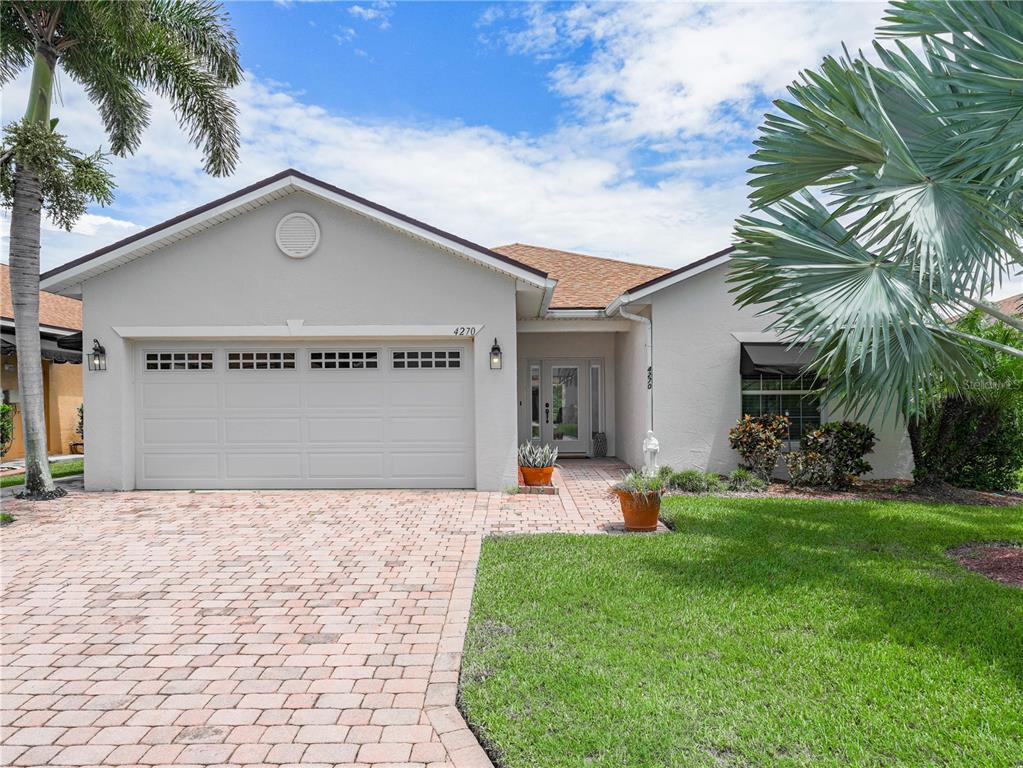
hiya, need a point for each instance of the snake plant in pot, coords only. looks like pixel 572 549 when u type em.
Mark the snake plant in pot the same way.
pixel 640 498
pixel 536 462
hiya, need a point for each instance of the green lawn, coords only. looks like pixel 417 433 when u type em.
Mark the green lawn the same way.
pixel 761 633
pixel 58 469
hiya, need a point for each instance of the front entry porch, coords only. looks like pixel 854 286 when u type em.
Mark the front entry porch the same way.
pixel 566 391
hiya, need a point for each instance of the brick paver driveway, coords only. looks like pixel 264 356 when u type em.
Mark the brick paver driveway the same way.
pixel 254 628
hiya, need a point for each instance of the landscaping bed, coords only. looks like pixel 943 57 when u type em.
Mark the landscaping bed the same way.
pixel 762 632
pixel 900 490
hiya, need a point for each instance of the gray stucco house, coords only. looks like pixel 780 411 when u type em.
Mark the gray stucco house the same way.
pixel 293 334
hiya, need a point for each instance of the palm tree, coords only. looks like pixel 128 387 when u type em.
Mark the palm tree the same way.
pixel 183 51
pixel 888 198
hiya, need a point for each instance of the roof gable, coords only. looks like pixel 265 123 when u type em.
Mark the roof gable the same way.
pixel 198 219
pixel 54 311
pixel 584 282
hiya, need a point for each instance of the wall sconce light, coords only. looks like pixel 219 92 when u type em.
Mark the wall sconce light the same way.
pixel 495 357
pixel 97 357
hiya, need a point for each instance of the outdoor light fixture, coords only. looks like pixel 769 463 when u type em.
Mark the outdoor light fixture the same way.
pixel 97 357
pixel 495 357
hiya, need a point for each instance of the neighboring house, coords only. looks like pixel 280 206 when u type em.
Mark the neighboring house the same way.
pixel 60 319
pixel 293 334
pixel 1010 305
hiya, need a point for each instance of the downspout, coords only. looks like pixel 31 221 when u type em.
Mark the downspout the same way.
pixel 650 444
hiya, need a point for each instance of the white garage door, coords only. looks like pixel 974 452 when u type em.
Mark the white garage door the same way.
pixel 325 415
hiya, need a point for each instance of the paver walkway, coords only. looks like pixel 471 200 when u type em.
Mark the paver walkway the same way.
pixel 254 628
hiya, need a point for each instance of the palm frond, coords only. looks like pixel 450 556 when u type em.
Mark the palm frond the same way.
pixel 16 43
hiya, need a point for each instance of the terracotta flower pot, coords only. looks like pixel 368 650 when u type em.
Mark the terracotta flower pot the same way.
pixel 640 510
pixel 537 475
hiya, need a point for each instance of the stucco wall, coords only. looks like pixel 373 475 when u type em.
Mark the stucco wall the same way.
pixel 363 273
pixel 632 396
pixel 696 378
pixel 568 345
pixel 62 394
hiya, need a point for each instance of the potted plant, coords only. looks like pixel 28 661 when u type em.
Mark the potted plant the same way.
pixel 537 463
pixel 640 497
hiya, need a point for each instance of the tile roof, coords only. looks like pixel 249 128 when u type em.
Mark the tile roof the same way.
pixel 54 310
pixel 584 282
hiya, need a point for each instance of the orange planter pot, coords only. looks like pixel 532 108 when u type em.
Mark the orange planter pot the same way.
pixel 536 475
pixel 640 510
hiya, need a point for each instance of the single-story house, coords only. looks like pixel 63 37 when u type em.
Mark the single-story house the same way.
pixel 60 322
pixel 293 334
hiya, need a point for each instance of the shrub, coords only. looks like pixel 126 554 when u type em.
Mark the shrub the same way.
pixel 80 429
pixel 758 440
pixel 695 481
pixel 743 481
pixel 665 474
pixel 971 434
pixel 841 446
pixel 807 468
pixel 6 427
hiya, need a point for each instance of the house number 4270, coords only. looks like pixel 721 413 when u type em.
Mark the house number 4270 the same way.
pixel 465 330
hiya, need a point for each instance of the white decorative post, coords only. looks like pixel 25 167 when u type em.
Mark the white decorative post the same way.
pixel 650 449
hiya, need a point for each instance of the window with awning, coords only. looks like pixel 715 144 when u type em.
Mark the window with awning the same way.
pixel 774 382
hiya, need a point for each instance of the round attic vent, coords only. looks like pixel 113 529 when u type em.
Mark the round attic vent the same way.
pixel 298 234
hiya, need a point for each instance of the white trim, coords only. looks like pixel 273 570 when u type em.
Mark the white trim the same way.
pixel 557 314
pixel 286 331
pixel 133 250
pixel 756 337
pixel 629 297
pixel 574 326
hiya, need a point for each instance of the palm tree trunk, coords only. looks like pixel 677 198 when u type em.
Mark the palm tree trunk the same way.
pixel 26 222
pixel 24 256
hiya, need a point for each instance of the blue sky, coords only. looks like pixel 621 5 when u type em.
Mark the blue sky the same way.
pixel 618 130
pixel 419 61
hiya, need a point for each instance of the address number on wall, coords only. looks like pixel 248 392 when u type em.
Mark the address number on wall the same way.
pixel 465 330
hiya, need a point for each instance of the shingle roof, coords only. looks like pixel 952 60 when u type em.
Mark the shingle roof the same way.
pixel 1011 305
pixel 584 282
pixel 56 311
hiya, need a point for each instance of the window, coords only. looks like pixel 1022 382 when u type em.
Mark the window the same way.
pixel 793 396
pixel 534 402
pixel 596 424
pixel 262 360
pixel 179 361
pixel 426 358
pixel 342 359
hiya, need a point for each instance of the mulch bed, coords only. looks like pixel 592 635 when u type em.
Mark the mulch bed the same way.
pixel 1001 561
pixel 902 490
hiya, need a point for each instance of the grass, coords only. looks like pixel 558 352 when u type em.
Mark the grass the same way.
pixel 761 633
pixel 57 469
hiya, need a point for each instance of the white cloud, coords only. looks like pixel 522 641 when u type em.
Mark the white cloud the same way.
pixel 666 69
pixel 379 12
pixel 344 35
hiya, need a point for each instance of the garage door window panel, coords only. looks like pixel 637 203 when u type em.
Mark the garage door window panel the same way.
pixel 406 359
pixel 176 360
pixel 261 360
pixel 344 359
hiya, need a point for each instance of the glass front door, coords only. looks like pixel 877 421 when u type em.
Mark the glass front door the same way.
pixel 565 417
